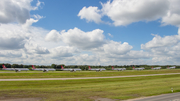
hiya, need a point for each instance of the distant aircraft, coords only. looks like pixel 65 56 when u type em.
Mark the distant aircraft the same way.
pixel 4 68
pixel 96 69
pixel 70 69
pixel 43 69
pixel 118 69
pixel 174 67
pixel 14 69
pixel 142 68
pixel 156 68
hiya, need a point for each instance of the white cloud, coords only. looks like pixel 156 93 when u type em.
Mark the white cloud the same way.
pixel 116 48
pixel 78 38
pixel 158 42
pixel 164 50
pixel 23 43
pixel 34 48
pixel 171 19
pixel 16 10
pixel 125 12
pixel 90 14
pixel 86 59
pixel 53 35
pixel 10 54
pixel 63 51
pixel 173 15
pixel 12 37
pixel 70 51
pixel 110 34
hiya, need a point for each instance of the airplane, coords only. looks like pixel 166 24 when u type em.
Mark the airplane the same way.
pixel 43 69
pixel 118 69
pixel 70 69
pixel 14 69
pixel 96 69
pixel 138 68
pixel 156 68
pixel 171 67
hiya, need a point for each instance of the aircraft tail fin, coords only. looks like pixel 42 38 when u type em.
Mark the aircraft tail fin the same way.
pixel 62 67
pixel 133 67
pixel 4 67
pixel 112 67
pixel 152 67
pixel 89 67
pixel 33 67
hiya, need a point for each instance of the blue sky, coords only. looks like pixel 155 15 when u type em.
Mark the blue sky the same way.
pixel 90 32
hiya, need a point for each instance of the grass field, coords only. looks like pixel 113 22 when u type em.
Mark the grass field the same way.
pixel 85 90
pixel 67 74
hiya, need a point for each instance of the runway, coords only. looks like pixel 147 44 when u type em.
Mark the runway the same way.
pixel 163 97
pixel 38 79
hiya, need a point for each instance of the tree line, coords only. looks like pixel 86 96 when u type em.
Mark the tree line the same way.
pixel 84 67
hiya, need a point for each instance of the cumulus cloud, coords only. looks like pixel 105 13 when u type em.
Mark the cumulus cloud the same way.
pixel 12 54
pixel 34 48
pixel 78 38
pixel 110 34
pixel 12 37
pixel 30 21
pixel 120 51
pixel 12 43
pixel 86 59
pixel 117 48
pixel 90 14
pixel 172 17
pixel 53 35
pixel 158 41
pixel 16 10
pixel 15 37
pixel 63 51
pixel 125 12
pixel 164 50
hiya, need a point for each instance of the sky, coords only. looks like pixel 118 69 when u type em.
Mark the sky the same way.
pixel 90 32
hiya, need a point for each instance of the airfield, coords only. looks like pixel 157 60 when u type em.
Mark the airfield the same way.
pixel 87 85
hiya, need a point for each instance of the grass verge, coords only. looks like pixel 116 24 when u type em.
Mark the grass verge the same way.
pixel 67 74
pixel 84 90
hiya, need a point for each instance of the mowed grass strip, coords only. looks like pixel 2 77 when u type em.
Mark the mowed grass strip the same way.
pixel 85 90
pixel 67 74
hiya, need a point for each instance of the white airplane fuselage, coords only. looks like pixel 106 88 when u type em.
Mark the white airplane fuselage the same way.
pixel 156 68
pixel 139 68
pixel 44 69
pixel 97 69
pixel 49 69
pixel 119 69
pixel 38 69
pixel 8 69
pixel 16 69
pixel 71 69
pixel 172 67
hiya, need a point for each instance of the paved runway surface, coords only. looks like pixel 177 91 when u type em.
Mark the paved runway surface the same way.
pixel 164 97
pixel 83 77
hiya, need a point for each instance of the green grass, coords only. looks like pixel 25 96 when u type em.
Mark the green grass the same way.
pixel 67 74
pixel 82 90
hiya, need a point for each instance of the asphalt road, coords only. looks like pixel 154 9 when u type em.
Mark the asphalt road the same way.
pixel 164 97
pixel 35 79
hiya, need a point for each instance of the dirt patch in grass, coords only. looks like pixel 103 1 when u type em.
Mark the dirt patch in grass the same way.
pixel 96 98
pixel 20 99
